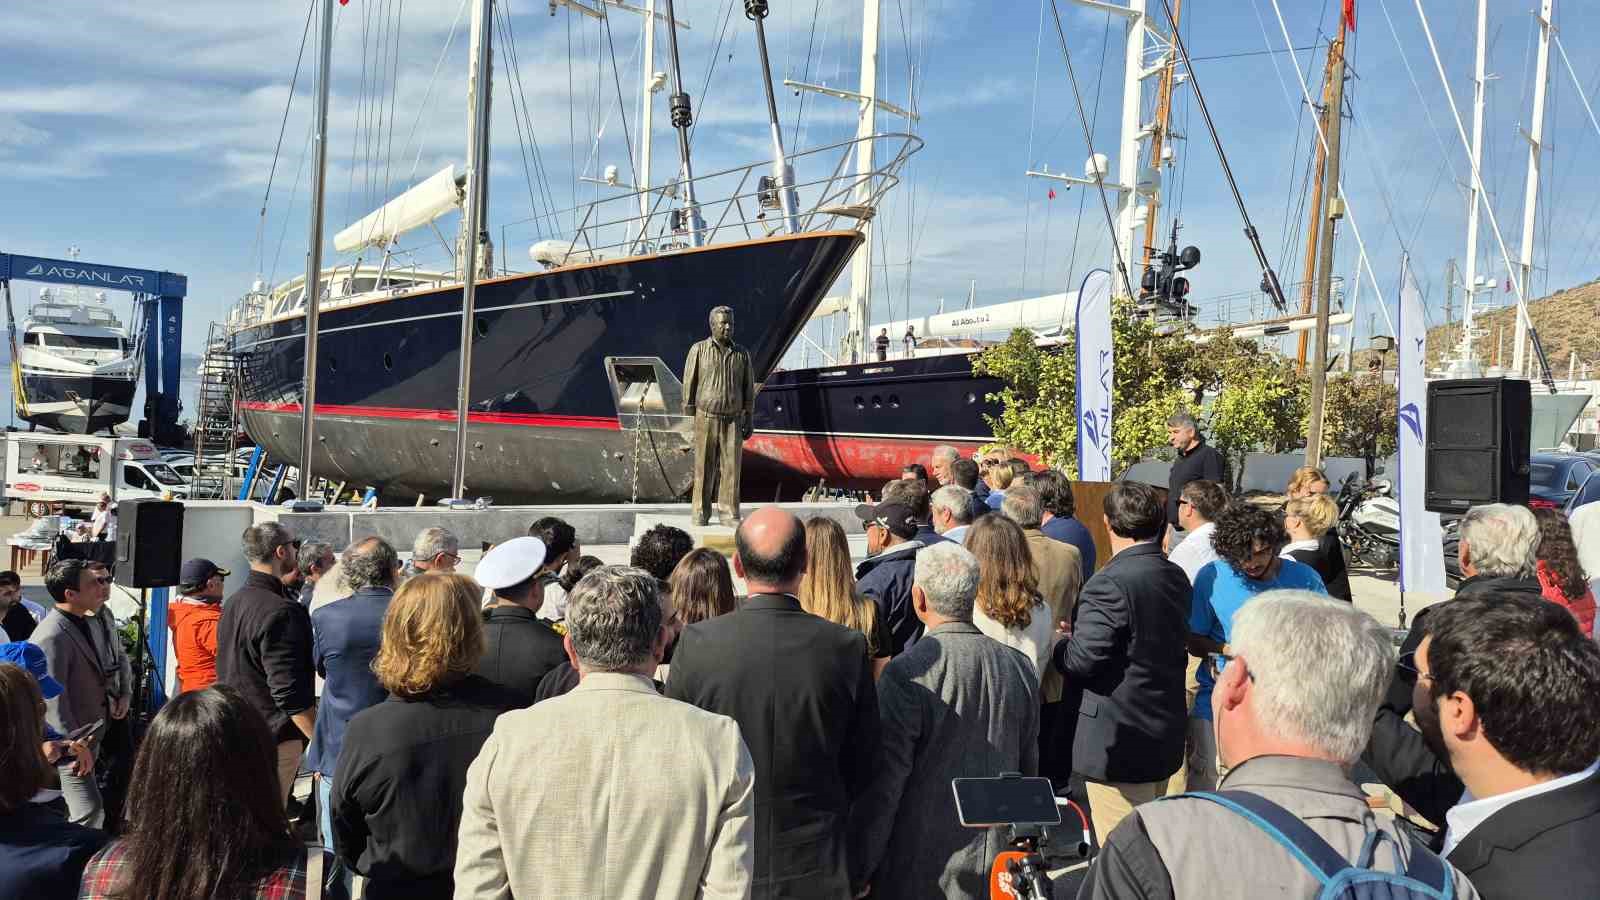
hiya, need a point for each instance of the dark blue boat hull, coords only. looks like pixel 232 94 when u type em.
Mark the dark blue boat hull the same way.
pixel 544 424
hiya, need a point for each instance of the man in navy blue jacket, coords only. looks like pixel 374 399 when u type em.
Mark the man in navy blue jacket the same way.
pixel 345 638
pixel 885 575
pixel 1055 495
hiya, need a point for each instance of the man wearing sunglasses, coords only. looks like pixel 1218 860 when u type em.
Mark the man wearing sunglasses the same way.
pixel 264 646
pixel 84 654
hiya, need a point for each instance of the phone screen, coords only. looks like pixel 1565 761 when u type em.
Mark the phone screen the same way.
pixel 986 802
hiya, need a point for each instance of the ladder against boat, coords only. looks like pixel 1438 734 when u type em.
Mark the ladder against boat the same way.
pixel 216 424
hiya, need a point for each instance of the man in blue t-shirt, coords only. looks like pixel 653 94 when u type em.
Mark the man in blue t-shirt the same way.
pixel 1247 541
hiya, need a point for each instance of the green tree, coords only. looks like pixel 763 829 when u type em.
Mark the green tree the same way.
pixel 1359 417
pixel 1258 400
pixel 1038 404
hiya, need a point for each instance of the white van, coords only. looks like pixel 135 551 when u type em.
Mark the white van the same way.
pixel 76 469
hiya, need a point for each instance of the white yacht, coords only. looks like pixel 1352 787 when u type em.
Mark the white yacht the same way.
pixel 77 366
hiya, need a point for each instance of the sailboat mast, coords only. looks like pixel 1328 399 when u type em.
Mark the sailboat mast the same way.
pixel 1476 198
pixel 647 95
pixel 1333 211
pixel 313 285
pixel 860 309
pixel 1158 134
pixel 1128 154
pixel 682 118
pixel 473 230
pixel 1530 197
pixel 782 171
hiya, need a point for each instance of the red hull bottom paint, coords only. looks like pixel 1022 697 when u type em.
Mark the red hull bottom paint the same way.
pixel 442 415
pixel 862 463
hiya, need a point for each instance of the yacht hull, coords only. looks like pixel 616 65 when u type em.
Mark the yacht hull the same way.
pixel 75 403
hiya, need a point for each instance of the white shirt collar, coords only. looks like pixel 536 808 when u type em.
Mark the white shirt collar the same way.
pixel 1469 813
pixel 1299 545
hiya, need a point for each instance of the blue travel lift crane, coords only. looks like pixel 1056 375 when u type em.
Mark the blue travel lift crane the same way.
pixel 160 299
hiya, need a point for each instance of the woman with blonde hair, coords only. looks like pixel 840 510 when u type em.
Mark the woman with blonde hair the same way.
pixel 702 586
pixel 1309 520
pixel 403 767
pixel 1306 481
pixel 1009 607
pixel 828 589
pixel 998 475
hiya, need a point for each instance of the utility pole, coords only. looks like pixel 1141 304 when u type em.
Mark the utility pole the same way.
pixel 1335 210
pixel 1314 223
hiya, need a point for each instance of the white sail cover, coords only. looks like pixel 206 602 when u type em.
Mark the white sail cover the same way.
pixel 1046 313
pixel 1421 537
pixel 416 207
pixel 1095 366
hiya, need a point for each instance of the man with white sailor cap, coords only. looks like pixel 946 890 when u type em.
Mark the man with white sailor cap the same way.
pixel 519 647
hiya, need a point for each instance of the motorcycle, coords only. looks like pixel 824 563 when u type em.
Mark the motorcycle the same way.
pixel 1369 522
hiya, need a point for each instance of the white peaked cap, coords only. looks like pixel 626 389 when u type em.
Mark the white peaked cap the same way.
pixel 512 562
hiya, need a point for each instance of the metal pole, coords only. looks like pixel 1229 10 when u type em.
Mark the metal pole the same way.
pixel 313 286
pixel 782 172
pixel 1319 361
pixel 646 125
pixel 478 181
pixel 682 118
pixel 860 308
pixel 1476 195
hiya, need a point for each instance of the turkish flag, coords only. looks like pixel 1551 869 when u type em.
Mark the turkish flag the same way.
pixel 1350 14
pixel 1052 194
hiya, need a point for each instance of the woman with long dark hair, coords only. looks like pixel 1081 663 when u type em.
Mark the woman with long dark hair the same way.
pixel 205 816
pixel 828 589
pixel 702 586
pixel 1561 576
pixel 1009 607
pixel 403 767
pixel 41 854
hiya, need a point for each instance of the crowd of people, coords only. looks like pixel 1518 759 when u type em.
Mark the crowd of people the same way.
pixel 556 727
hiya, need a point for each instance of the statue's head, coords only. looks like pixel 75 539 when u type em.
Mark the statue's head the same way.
pixel 722 323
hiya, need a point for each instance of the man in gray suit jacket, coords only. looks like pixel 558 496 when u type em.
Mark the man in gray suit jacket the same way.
pixel 958 704
pixel 610 790
pixel 83 651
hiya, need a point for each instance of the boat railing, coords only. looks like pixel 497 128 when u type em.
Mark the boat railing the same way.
pixel 737 204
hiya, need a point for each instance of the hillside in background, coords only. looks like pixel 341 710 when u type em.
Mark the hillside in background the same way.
pixel 1567 320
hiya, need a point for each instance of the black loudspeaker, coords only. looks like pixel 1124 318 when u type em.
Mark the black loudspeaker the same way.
pixel 1479 431
pixel 149 543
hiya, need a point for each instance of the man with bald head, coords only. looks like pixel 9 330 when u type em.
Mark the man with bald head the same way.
pixel 801 689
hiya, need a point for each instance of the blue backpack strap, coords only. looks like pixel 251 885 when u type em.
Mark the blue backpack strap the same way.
pixel 1429 869
pixel 1285 828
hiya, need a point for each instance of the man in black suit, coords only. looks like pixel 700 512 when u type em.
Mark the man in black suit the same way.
pixel 1126 651
pixel 1507 698
pixel 801 689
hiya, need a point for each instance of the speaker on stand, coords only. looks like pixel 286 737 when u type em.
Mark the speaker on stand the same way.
pixel 1478 442
pixel 149 555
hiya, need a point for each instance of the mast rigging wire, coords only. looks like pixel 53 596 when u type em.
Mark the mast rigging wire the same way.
pixel 1033 119
pixel 258 248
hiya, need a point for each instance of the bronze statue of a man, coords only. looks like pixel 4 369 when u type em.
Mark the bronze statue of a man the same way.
pixel 719 390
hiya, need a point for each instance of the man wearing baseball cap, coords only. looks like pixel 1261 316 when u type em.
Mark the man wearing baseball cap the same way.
pixel 193 617
pixel 519 647
pixel 885 575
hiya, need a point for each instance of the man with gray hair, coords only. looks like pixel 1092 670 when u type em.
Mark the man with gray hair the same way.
pixel 1498 553
pixel 951 511
pixel 958 704
pixel 1057 567
pixel 1196 459
pixel 939 463
pixel 1293 708
pixel 435 550
pixel 316 559
pixel 673 785
pixel 345 639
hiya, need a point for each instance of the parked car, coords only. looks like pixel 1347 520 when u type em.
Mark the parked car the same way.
pixel 1554 477
pixel 1589 493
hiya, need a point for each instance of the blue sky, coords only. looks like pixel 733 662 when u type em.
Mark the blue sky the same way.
pixel 144 133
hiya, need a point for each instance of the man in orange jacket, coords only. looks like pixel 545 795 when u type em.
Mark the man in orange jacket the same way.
pixel 193 618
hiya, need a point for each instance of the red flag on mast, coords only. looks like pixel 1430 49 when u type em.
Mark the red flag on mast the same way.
pixel 1350 14
pixel 1052 194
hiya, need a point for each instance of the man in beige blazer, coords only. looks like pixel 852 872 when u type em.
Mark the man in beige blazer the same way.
pixel 1058 566
pixel 610 790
